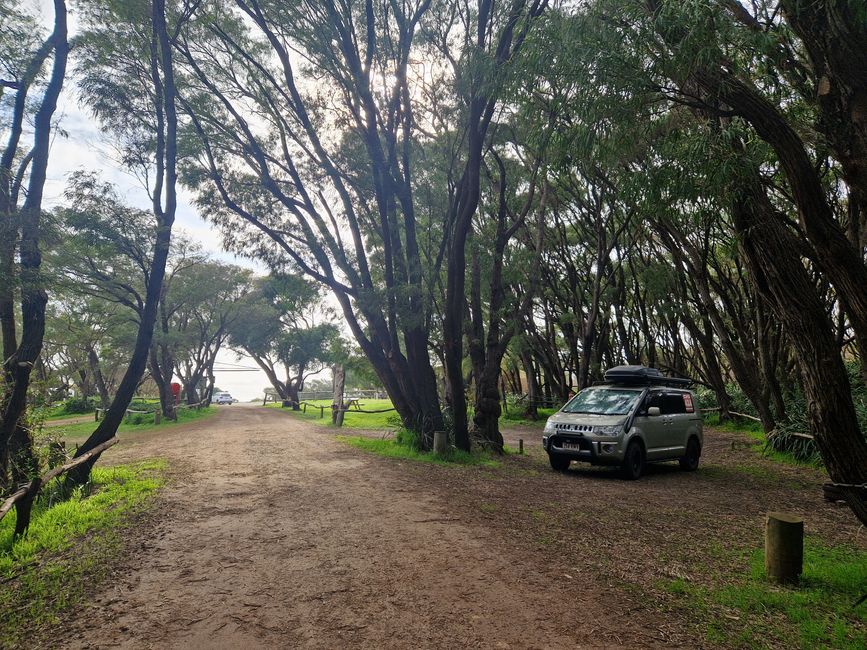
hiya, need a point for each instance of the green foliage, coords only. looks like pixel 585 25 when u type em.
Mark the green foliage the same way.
pixel 69 545
pixel 389 420
pixel 77 433
pixel 747 611
pixel 77 405
pixel 392 448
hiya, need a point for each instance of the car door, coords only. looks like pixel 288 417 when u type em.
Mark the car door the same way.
pixel 652 427
pixel 675 423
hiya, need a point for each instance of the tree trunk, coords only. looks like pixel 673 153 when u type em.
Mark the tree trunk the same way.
pixel 166 156
pixel 158 374
pixel 338 383
pixel 15 443
pixel 99 380
pixel 532 385
pixel 292 395
pixel 770 250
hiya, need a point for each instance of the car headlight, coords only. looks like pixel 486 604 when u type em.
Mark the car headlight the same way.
pixel 549 427
pixel 608 431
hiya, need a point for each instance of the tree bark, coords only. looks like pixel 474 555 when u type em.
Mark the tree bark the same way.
pixel 162 75
pixel 338 383
pixel 16 446
pixel 770 250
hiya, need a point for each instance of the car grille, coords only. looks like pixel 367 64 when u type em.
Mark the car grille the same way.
pixel 577 428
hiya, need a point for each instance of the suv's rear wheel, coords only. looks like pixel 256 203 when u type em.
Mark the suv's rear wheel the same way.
pixel 689 461
pixel 559 462
pixel 633 461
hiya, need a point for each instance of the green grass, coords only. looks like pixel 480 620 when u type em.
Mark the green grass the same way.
pixel 515 417
pixel 391 448
pixel 352 419
pixel 77 433
pixel 747 611
pixel 68 546
pixel 754 431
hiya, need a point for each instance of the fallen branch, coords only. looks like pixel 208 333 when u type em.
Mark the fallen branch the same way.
pixel 35 485
pixel 744 415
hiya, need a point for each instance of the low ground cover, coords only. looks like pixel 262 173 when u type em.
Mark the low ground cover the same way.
pixel 352 419
pixel 78 432
pixel 69 545
pixel 394 448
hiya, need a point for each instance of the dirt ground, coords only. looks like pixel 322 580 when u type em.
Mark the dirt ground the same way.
pixel 273 534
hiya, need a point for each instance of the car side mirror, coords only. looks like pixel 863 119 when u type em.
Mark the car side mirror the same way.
pixel 653 411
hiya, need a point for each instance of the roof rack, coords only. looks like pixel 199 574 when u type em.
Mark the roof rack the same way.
pixel 643 376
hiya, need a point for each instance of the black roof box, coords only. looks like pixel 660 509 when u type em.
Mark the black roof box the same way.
pixel 642 375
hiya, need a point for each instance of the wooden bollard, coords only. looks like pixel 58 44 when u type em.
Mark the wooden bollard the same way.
pixel 521 446
pixel 784 547
pixel 440 442
pixel 96 415
pixel 158 417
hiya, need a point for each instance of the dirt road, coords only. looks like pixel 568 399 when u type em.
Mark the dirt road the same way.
pixel 276 535
pixel 273 534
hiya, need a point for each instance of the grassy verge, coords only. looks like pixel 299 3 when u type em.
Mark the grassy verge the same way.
pixel 77 433
pixel 68 546
pixel 754 431
pixel 391 448
pixel 747 611
pixel 517 418
pixel 352 419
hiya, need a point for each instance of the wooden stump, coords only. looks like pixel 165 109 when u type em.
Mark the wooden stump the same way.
pixel 440 442
pixel 158 417
pixel 521 446
pixel 784 547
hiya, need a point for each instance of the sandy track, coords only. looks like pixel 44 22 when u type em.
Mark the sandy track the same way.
pixel 272 534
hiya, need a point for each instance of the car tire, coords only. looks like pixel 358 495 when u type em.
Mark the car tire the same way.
pixel 689 461
pixel 633 461
pixel 559 462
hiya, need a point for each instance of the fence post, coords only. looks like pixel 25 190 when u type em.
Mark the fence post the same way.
pixel 784 547
pixel 158 416
pixel 521 446
pixel 440 442
pixel 96 415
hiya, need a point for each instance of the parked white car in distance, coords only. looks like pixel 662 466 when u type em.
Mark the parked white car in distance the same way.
pixel 223 398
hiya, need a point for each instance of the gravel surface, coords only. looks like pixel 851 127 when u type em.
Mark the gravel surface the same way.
pixel 271 533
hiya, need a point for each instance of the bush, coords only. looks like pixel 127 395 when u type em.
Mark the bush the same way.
pixel 75 405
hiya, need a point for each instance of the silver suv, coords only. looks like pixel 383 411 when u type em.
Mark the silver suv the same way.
pixel 636 416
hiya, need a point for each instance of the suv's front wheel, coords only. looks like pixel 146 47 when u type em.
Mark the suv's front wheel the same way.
pixel 559 463
pixel 633 461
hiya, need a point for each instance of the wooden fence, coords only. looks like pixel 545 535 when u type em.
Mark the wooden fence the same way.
pixel 32 489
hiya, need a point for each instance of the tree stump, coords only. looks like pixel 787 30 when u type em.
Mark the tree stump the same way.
pixel 440 442
pixel 521 446
pixel 784 547
pixel 158 417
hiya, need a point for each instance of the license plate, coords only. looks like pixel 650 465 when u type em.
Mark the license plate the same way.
pixel 572 445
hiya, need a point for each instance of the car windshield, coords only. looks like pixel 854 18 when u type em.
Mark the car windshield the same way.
pixel 603 401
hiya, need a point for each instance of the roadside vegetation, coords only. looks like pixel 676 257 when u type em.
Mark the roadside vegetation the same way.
pixel 138 423
pixel 740 608
pixel 353 419
pixel 70 546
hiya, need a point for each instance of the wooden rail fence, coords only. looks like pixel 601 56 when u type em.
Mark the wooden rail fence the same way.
pixel 33 488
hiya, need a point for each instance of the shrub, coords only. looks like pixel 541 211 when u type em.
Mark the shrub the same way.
pixel 76 405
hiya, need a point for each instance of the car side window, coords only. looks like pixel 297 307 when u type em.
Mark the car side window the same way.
pixel 672 404
pixel 652 399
